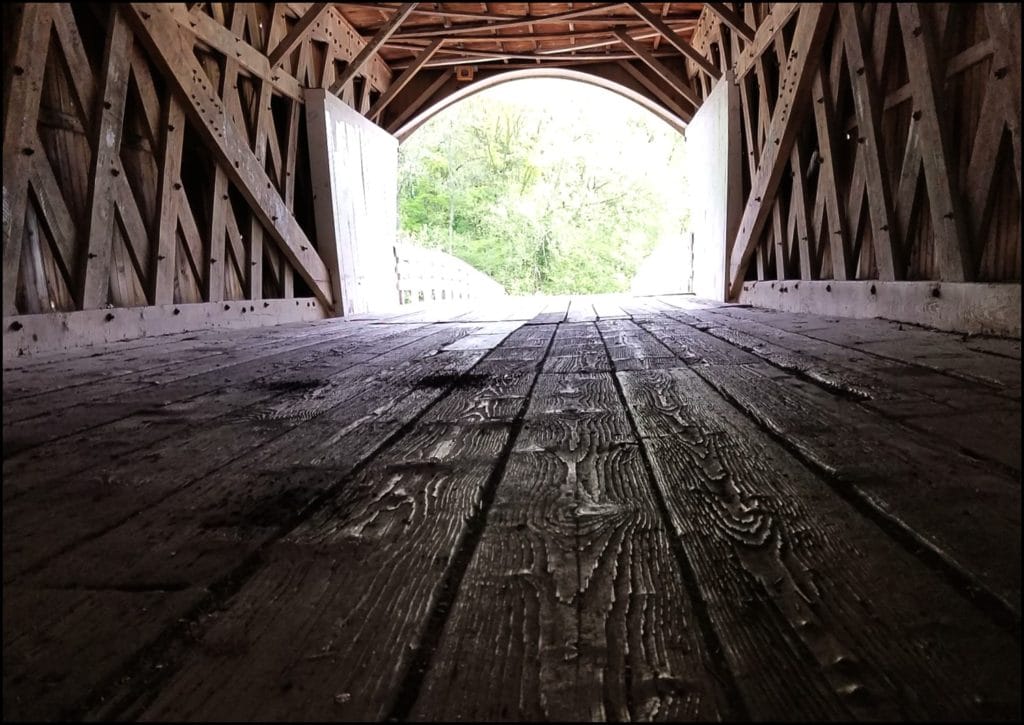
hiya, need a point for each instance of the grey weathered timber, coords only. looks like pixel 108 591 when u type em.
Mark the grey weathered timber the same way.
pixel 557 601
pixel 778 556
pixel 647 508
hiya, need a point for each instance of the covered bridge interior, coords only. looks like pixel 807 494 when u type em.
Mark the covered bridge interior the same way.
pixel 240 482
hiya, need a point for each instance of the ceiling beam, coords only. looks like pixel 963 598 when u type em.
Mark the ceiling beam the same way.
pixel 526 20
pixel 672 37
pixel 658 67
pixel 436 13
pixel 525 37
pixel 297 33
pixel 476 57
pixel 385 32
pixel 403 80
pixel 732 19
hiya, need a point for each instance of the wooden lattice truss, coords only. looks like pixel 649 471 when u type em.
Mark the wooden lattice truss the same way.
pixel 882 141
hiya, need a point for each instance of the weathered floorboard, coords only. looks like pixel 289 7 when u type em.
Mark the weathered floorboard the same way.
pixel 779 557
pixel 663 508
pixel 573 584
pixel 888 468
pixel 394 530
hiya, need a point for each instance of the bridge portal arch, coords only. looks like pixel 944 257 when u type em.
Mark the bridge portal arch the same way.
pixel 420 105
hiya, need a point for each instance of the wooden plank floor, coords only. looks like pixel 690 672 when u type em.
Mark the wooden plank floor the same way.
pixel 604 508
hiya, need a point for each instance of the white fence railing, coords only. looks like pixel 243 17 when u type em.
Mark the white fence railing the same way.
pixel 430 275
pixel 668 269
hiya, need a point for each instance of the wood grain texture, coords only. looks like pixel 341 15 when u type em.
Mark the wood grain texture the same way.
pixel 147 451
pixel 371 519
pixel 768 542
pixel 405 515
pixel 888 467
pixel 572 608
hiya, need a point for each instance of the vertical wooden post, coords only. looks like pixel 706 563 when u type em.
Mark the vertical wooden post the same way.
pixel 927 77
pixel 95 263
pixel 216 257
pixel 869 114
pixel 835 222
pixel 172 121
pixel 22 89
pixel 254 263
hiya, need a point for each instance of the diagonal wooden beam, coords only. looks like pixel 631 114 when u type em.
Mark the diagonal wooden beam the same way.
pixel 403 80
pixel 658 67
pixel 795 80
pixel 674 38
pixel 172 120
pixel 385 32
pixel 868 106
pixel 927 78
pixel 297 33
pixel 220 38
pixel 94 265
pixel 171 49
pixel 55 214
pixel 834 222
pixel 417 102
pixel 656 91
pixel 766 35
pixel 22 91
pixel 732 19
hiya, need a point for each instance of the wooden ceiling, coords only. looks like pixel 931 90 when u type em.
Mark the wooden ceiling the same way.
pixel 519 34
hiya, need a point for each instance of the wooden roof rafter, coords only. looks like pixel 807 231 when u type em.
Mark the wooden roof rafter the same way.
pixel 524 35
pixel 372 46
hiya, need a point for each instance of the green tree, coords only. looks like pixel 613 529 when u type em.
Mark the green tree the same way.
pixel 543 201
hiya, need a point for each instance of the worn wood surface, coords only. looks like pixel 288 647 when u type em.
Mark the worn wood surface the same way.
pixel 605 508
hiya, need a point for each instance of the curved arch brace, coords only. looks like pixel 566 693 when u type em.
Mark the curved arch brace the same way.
pixel 562 73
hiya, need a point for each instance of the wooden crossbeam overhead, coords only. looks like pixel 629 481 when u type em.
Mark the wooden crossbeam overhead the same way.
pixel 675 40
pixel 372 46
pixel 433 11
pixel 505 25
pixel 297 33
pixel 658 67
pixel 540 36
pixel 155 27
pixel 732 19
pixel 574 46
pixel 403 80
pixel 481 56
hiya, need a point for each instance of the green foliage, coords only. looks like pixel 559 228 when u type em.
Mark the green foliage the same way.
pixel 554 200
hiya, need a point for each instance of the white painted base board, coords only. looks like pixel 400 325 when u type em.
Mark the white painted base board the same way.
pixel 62 331
pixel 970 307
